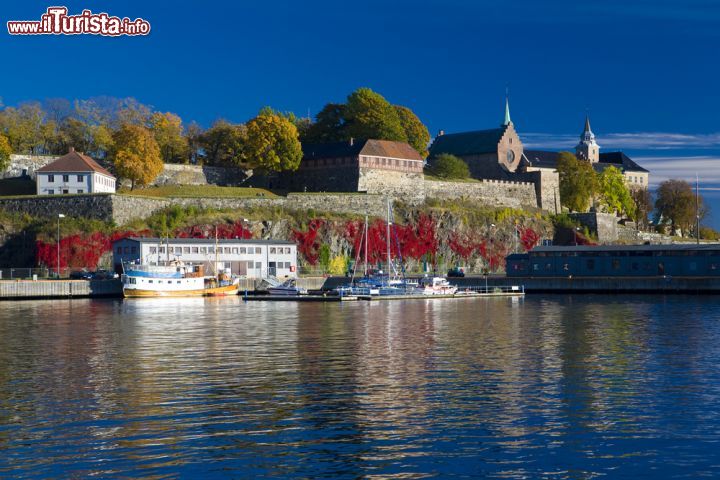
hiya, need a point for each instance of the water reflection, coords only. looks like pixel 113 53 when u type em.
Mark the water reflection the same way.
pixel 552 386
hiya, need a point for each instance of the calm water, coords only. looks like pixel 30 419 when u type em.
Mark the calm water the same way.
pixel 545 387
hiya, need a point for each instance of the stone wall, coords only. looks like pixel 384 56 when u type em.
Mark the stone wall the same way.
pixel 496 193
pixel 21 165
pixel 97 206
pixel 175 174
pixel 547 187
pixel 403 185
pixel 603 225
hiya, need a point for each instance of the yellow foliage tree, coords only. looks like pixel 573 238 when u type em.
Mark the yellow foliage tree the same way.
pixel 5 151
pixel 136 155
pixel 338 265
pixel 168 131
pixel 272 143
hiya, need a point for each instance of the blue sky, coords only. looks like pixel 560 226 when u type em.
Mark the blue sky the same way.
pixel 647 71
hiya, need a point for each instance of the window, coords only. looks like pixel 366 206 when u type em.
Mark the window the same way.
pixel 178 250
pixel 287 265
pixel 243 250
pixel 195 250
pixel 211 249
pixel 153 249
pixel 258 265
pixel 119 250
pixel 616 264
pixel 162 249
pixel 133 250
pixel 51 178
pixel 235 250
pixel 258 250
pixel 287 250
pixel 273 250
pixel 66 178
pixel 169 282
pixel 126 250
pixel 150 281
pixel 186 249
pixel 227 250
pixel 80 178
pixel 80 190
pixel 51 192
pixel 203 250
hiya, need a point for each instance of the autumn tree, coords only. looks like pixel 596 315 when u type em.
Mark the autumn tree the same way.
pixel 417 134
pixel 223 143
pixel 676 203
pixel 369 115
pixel 578 182
pixel 136 155
pixel 23 127
pixel 5 151
pixel 193 136
pixel 614 193
pixel 643 206
pixel 449 166
pixel 168 131
pixel 272 143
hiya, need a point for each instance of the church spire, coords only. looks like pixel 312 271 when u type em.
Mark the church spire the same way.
pixel 588 149
pixel 507 120
pixel 587 124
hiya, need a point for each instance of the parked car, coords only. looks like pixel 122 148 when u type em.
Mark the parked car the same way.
pixel 81 275
pixel 456 272
pixel 104 275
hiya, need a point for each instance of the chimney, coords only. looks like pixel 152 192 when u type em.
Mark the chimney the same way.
pixel 441 133
pixel 352 141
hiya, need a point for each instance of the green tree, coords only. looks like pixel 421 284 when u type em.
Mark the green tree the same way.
pixel 5 151
pixel 449 166
pixel 272 143
pixel 329 126
pixel 578 182
pixel 136 155
pixel 223 143
pixel 369 115
pixel 23 127
pixel 676 203
pixel 168 131
pixel 417 134
pixel 614 193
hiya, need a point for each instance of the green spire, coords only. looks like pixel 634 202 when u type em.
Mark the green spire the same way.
pixel 507 112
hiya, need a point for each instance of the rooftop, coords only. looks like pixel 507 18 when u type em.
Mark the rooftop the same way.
pixel 206 241
pixel 74 162
pixel 678 247
pixel 467 143
pixel 372 147
pixel 548 159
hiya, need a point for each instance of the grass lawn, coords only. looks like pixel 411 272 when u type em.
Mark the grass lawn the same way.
pixel 459 180
pixel 198 191
pixel 17 186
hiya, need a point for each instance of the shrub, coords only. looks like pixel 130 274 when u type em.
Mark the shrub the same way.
pixel 450 167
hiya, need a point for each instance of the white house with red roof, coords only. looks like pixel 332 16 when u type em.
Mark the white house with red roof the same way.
pixel 74 173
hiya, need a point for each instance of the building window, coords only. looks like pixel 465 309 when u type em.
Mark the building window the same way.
pixel 258 250
pixel 186 249
pixel 258 265
pixel 51 178
pixel 227 250
pixel 287 265
pixel 119 250
pixel 153 249
pixel 616 264
pixel 203 250
pixel 195 250
pixel 162 249
pixel 178 250
pixel 80 178
pixel 273 250
pixel 80 190
pixel 235 250
pixel 243 250
pixel 66 178
pixel 133 250
pixel 211 249
pixel 287 250
pixel 51 192
pixel 126 250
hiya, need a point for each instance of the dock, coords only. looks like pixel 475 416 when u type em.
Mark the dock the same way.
pixel 490 293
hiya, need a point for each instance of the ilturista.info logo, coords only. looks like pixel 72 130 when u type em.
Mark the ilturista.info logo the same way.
pixel 56 21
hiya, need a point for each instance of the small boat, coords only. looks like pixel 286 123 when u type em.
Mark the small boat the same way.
pixel 288 287
pixel 437 286
pixel 175 279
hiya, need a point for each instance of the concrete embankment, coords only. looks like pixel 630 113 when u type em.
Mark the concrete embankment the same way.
pixel 40 289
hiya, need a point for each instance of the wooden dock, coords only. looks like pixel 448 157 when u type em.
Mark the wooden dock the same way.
pixel 371 298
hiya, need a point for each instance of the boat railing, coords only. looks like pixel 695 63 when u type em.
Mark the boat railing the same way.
pixel 486 290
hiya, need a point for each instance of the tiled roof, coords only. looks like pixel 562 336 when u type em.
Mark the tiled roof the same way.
pixel 622 160
pixel 74 162
pixel 204 241
pixel 467 143
pixel 377 148
pixel 542 158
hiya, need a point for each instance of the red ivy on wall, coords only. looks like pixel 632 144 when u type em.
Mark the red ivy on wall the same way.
pixel 80 251
pixel 307 242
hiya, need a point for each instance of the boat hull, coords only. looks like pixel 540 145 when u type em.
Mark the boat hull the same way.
pixel 203 292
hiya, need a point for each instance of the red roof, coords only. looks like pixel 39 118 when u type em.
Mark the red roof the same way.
pixel 74 162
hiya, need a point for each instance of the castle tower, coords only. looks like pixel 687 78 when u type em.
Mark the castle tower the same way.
pixel 587 149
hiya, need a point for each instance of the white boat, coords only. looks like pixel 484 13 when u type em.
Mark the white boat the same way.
pixel 288 287
pixel 175 279
pixel 437 286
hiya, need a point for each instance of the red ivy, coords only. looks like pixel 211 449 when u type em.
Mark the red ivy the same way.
pixel 80 251
pixel 307 243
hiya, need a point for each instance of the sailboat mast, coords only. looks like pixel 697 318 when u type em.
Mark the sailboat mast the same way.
pixel 366 246
pixel 697 209
pixel 216 252
pixel 387 237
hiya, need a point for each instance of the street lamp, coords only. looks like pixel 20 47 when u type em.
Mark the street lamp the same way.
pixel 60 215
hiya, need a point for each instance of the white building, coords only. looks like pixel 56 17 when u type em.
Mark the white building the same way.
pixel 74 173
pixel 253 258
